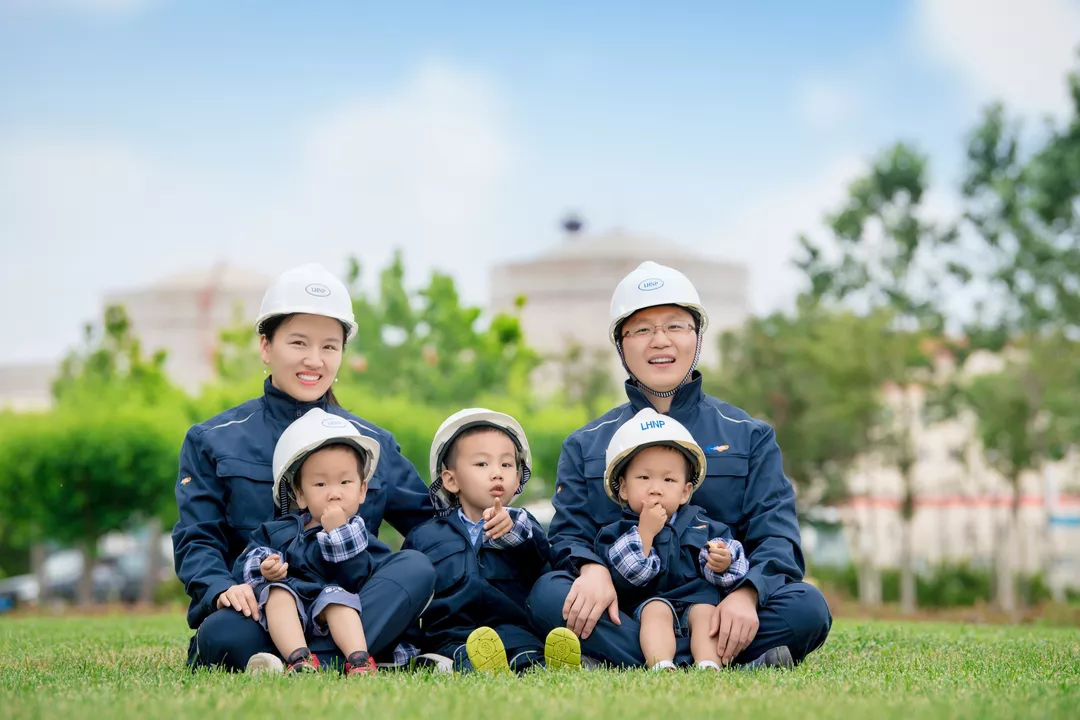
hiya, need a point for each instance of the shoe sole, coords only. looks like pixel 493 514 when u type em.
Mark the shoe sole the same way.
pixel 264 664
pixel 486 652
pixel 562 649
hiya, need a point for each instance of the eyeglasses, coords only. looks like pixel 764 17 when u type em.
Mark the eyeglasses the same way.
pixel 669 328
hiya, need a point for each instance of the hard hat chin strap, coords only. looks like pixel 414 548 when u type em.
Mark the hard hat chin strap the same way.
pixel 661 393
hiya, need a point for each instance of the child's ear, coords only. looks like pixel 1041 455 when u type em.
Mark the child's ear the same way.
pixel 449 482
pixel 687 489
pixel 363 491
pixel 622 491
pixel 300 501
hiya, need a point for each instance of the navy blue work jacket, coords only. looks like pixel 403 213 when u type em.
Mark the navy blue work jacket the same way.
pixel 309 572
pixel 477 585
pixel 677 545
pixel 745 487
pixel 225 486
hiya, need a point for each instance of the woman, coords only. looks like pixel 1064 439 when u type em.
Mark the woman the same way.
pixel 224 488
pixel 771 617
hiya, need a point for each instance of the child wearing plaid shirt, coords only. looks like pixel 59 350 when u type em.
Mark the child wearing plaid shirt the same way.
pixel 667 558
pixel 307 567
pixel 486 555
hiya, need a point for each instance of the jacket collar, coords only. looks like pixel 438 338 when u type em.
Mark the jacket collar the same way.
pixel 284 408
pixel 683 404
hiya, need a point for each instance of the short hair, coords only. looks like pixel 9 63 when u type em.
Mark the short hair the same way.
pixel 690 475
pixel 361 461
pixel 450 454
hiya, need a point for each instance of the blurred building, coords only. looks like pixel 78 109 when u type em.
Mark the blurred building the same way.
pixel 26 387
pixel 185 313
pixel 567 290
pixel 962 503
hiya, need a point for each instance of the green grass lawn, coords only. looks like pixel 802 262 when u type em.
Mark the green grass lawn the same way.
pixel 133 667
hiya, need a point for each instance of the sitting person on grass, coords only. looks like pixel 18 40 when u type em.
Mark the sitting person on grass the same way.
pixel 486 555
pixel 668 559
pixel 307 568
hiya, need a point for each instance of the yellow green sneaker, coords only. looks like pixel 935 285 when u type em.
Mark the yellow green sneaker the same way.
pixel 486 651
pixel 562 649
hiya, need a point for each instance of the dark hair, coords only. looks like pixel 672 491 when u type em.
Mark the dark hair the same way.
pixel 361 461
pixel 268 327
pixel 620 473
pixel 450 454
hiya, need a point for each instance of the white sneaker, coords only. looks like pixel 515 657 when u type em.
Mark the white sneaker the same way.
pixel 264 663
pixel 440 663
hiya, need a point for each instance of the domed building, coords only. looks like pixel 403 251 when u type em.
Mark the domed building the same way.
pixel 567 291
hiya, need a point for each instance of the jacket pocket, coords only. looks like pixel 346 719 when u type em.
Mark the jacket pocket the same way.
pixel 451 563
pixel 721 494
pixel 250 492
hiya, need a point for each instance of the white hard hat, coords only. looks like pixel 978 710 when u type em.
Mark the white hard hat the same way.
pixel 651 284
pixel 315 429
pixel 309 289
pixel 467 419
pixel 647 429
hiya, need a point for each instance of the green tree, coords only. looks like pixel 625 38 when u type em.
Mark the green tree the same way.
pixel 428 346
pixel 1024 209
pixel 883 254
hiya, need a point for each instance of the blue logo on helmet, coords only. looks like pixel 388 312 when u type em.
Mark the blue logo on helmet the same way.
pixel 318 290
pixel 650 284
pixel 334 423
pixel 652 424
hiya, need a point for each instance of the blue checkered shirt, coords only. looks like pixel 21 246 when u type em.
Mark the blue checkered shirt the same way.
pixel 627 557
pixel 735 572
pixel 337 545
pixel 517 534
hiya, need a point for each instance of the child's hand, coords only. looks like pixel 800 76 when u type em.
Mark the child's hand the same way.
pixel 652 520
pixel 497 521
pixel 273 569
pixel 719 557
pixel 333 517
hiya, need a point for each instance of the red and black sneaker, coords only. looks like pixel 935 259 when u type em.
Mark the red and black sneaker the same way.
pixel 360 663
pixel 302 660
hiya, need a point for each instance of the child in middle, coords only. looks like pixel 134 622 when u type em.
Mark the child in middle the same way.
pixel 667 558
pixel 487 555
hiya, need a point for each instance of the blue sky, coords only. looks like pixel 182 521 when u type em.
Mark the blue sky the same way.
pixel 142 137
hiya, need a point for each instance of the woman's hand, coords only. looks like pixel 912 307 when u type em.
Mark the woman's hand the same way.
pixel 735 623
pixel 590 595
pixel 240 598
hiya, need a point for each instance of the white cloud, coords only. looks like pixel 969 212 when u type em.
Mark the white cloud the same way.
pixel 826 104
pixel 421 168
pixel 1015 52
pixel 764 235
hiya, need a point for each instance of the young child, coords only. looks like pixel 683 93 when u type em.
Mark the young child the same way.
pixel 486 555
pixel 667 559
pixel 307 567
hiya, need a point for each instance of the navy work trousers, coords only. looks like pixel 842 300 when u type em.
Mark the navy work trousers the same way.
pixel 796 615
pixel 391 600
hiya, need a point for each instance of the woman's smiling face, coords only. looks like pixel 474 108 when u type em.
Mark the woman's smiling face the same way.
pixel 304 355
pixel 659 360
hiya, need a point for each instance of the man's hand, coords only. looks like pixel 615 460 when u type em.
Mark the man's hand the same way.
pixel 735 623
pixel 719 559
pixel 497 521
pixel 332 518
pixel 590 595
pixel 240 598
pixel 651 522
pixel 273 569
